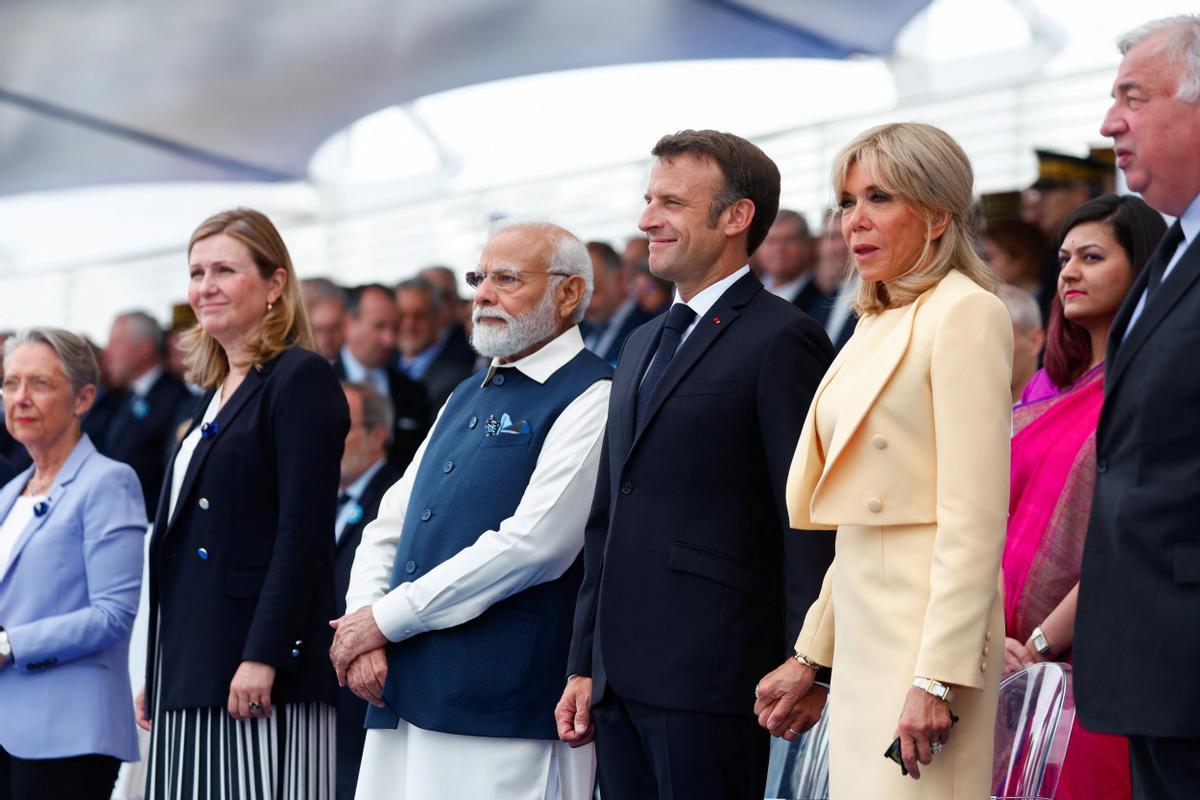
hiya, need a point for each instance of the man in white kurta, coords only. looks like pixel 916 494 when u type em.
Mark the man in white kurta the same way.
pixel 531 288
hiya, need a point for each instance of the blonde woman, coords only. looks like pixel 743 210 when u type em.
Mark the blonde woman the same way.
pixel 240 695
pixel 905 451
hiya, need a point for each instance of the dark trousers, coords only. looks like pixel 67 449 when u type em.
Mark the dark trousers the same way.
pixel 649 753
pixel 89 777
pixel 1164 768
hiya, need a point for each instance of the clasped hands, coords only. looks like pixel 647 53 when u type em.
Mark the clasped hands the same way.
pixel 787 701
pixel 358 655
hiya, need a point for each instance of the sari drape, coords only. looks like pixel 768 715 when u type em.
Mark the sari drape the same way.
pixel 1053 475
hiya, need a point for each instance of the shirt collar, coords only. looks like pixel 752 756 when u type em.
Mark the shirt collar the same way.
pixel 1190 221
pixel 789 290
pixel 356 489
pixel 545 361
pixel 709 295
pixel 416 366
pixel 356 371
pixel 142 385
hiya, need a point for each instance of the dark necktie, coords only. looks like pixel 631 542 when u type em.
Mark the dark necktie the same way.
pixel 1166 251
pixel 678 319
pixel 342 499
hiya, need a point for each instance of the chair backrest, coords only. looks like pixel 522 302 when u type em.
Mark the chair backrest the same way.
pixel 1033 728
pixel 799 770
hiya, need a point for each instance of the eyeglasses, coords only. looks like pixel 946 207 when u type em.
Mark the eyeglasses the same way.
pixel 506 280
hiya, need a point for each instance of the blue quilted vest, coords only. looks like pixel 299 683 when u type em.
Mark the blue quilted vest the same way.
pixel 499 674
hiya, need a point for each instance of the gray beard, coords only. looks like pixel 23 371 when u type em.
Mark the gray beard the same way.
pixel 521 333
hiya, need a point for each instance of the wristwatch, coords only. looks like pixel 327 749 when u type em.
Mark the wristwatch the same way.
pixel 936 688
pixel 5 649
pixel 1039 642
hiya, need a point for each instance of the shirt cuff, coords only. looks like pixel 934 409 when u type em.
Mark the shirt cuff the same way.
pixel 396 617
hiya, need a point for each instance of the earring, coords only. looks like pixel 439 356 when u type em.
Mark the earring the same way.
pixel 270 306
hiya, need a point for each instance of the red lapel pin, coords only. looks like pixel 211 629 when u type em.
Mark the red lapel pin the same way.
pixel 717 320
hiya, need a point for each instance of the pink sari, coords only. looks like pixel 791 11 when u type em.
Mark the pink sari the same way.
pixel 1053 474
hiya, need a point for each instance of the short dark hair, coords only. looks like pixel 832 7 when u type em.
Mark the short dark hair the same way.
pixel 794 217
pixel 1137 228
pixel 354 296
pixel 747 170
pixel 436 296
pixel 609 257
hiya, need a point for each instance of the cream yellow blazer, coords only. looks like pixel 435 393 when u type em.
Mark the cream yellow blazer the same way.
pixel 925 442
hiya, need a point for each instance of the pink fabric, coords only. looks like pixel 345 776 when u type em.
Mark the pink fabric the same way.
pixel 1053 474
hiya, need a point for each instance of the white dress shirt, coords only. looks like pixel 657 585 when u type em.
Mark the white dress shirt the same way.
pixel 357 372
pixel 1190 223
pixel 536 544
pixel 353 492
pixel 707 297
pixel 12 526
pixel 790 290
pixel 142 385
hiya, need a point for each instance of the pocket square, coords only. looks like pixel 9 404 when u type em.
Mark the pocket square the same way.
pixel 518 427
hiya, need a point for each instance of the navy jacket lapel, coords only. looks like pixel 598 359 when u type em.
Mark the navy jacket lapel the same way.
pixel 639 357
pixel 715 322
pixel 249 387
pixel 1173 288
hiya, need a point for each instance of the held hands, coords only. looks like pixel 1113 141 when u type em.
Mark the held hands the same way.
pixel 574 712
pixel 139 709
pixel 786 703
pixel 250 690
pixel 355 635
pixel 1017 655
pixel 367 675
pixel 924 721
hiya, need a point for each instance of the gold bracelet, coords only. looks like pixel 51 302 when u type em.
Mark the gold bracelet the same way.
pixel 807 662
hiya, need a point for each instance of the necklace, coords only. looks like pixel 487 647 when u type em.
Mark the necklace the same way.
pixel 32 492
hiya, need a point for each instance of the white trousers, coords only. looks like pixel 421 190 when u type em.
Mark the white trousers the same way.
pixel 410 763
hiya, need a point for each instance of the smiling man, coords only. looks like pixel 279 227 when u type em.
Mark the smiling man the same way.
pixel 1137 641
pixel 682 605
pixel 463 588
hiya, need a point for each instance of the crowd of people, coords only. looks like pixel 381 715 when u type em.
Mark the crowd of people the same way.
pixel 627 514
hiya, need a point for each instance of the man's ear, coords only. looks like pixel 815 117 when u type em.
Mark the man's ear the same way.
pixel 738 216
pixel 569 294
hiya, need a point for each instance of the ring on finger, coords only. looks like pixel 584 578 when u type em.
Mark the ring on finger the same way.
pixel 936 747
pixel 793 731
pixel 255 707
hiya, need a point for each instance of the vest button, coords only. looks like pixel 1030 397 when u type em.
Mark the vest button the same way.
pixel 875 505
pixel 203 504
pixel 626 488
pixel 449 465
pixel 474 421
pixel 425 515
pixel 1102 466
pixel 498 380
pixel 410 567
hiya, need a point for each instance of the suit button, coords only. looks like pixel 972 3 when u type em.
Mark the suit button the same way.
pixel 449 465
pixel 879 442
pixel 203 504
pixel 410 567
pixel 1102 466
pixel 298 643
pixel 498 380
pixel 474 421
pixel 295 653
pixel 874 505
pixel 987 636
pixel 426 514
pixel 202 553
pixel 626 488
pixel 985 649
pixel 983 666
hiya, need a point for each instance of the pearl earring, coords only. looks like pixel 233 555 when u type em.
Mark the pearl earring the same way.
pixel 270 306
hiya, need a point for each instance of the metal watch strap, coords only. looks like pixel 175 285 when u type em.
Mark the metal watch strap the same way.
pixel 934 687
pixel 1039 642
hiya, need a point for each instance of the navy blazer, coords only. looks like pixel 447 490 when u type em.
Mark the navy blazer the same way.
pixel 410 405
pixel 67 600
pixel 687 580
pixel 243 571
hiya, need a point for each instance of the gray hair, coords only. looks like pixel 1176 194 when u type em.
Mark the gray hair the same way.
pixel 319 289
pixel 419 284
pixel 1022 307
pixel 1182 46
pixel 570 255
pixel 144 328
pixel 377 409
pixel 74 353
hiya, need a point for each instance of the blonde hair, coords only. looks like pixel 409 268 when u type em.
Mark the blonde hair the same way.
pixel 929 172
pixel 283 326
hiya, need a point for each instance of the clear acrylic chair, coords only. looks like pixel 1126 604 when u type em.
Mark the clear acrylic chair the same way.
pixel 1033 729
pixel 799 770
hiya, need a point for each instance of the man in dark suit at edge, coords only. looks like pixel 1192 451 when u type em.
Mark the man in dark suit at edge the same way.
pixel 683 600
pixel 1137 640
pixel 366 475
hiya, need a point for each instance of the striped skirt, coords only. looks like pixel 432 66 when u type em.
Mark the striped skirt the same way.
pixel 205 753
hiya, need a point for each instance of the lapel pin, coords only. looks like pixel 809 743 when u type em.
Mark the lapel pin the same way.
pixel 354 515
pixel 140 408
pixel 716 320
pixel 40 508
pixel 210 429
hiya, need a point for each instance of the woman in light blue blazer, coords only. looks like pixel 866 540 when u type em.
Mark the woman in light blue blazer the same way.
pixel 71 529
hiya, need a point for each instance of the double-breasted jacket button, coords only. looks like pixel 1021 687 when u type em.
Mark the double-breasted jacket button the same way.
pixel 985 649
pixel 474 421
pixel 983 666
pixel 426 515
pixel 879 441
pixel 498 380
pixel 626 488
pixel 449 465
pixel 1102 466
pixel 874 505
pixel 410 567
pixel 203 503
pixel 295 652
pixel 202 553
